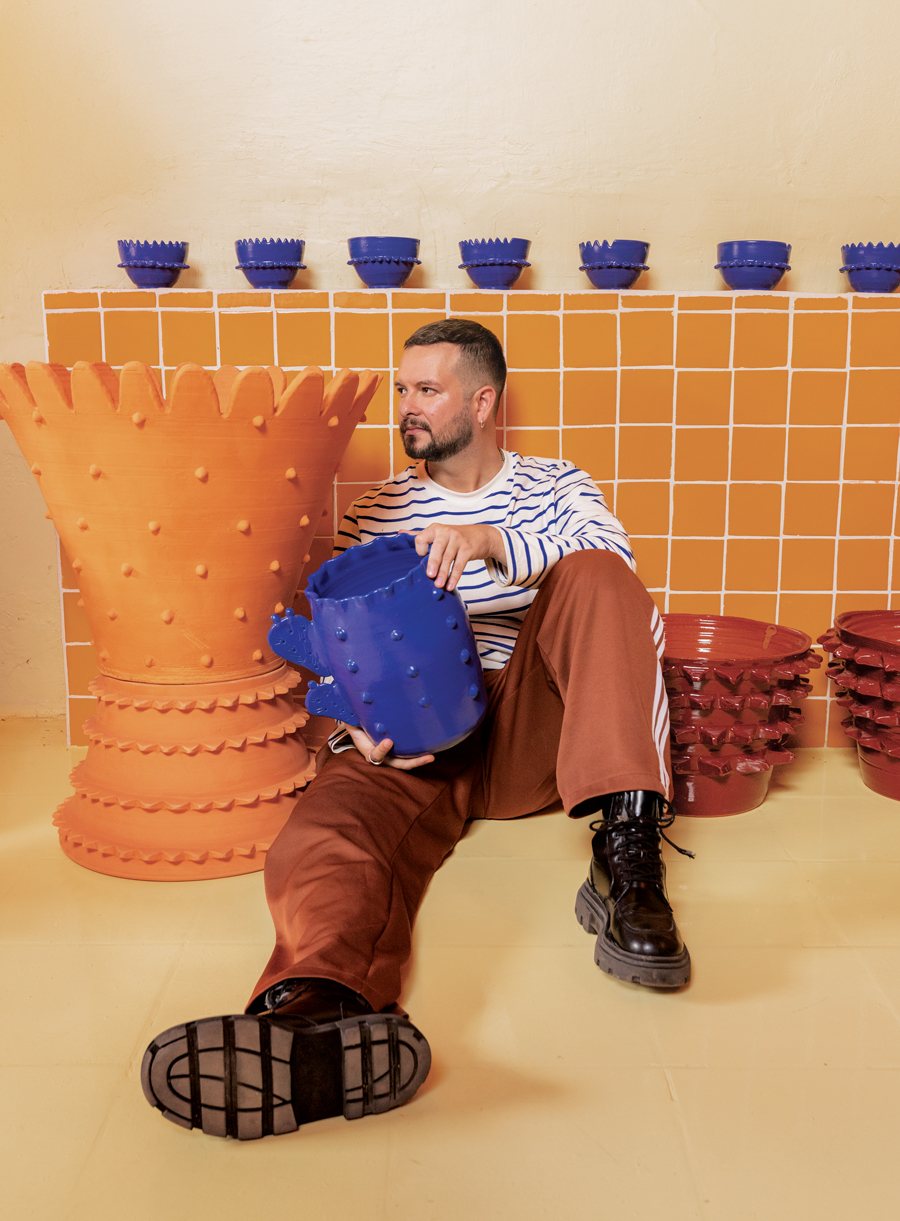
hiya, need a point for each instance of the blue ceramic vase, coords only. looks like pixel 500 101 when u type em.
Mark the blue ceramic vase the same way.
pixel 270 262
pixel 401 652
pixel 495 262
pixel 615 264
pixel 871 268
pixel 153 264
pixel 383 262
pixel 753 264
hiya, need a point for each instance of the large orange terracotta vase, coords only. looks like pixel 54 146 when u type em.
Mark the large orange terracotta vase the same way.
pixel 188 522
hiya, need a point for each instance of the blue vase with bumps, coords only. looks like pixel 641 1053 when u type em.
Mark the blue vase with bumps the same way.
pixel 495 262
pixel 871 268
pixel 383 262
pixel 270 262
pixel 400 651
pixel 615 264
pixel 153 264
pixel 753 264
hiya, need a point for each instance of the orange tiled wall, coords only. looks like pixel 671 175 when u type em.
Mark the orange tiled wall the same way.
pixel 749 442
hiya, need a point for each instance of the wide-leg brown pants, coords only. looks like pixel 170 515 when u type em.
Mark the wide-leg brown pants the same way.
pixel 578 711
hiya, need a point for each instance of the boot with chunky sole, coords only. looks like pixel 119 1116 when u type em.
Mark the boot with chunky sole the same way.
pixel 624 903
pixel 248 1076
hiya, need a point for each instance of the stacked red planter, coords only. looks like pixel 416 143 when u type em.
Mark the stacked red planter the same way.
pixel 732 685
pixel 865 648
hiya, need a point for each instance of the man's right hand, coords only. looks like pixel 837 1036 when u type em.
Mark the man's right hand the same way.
pixel 379 753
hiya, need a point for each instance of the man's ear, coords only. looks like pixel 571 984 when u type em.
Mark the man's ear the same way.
pixel 487 404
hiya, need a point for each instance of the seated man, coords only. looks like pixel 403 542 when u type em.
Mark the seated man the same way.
pixel 570 642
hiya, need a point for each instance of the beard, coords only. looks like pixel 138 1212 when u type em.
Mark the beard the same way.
pixel 439 448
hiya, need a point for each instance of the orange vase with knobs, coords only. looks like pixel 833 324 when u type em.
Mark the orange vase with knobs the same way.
pixel 188 521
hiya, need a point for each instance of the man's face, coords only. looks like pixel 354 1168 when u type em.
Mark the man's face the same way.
pixel 436 415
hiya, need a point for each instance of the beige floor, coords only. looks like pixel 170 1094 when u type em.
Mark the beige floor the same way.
pixel 769 1089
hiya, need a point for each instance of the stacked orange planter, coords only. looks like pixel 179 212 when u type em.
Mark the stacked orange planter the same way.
pixel 865 646
pixel 732 684
pixel 188 523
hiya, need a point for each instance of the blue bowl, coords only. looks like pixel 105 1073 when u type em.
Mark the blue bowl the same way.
pixel 383 262
pixel 616 264
pixel 153 264
pixel 270 262
pixel 872 268
pixel 495 262
pixel 402 654
pixel 753 264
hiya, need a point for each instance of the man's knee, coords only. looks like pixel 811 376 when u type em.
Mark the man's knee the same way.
pixel 593 566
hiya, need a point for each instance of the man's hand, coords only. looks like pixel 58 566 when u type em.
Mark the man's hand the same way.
pixel 453 547
pixel 381 753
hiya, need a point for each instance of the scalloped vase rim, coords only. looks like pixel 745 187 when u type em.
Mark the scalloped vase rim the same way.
pixel 347 561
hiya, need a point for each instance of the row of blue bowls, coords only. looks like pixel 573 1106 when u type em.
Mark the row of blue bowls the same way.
pixel 387 262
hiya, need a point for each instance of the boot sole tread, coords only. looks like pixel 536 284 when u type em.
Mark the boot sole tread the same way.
pixel 672 972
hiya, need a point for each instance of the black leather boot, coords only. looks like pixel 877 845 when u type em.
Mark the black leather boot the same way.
pixel 318 1050
pixel 624 898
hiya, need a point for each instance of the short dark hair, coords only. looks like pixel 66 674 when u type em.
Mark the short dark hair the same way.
pixel 481 353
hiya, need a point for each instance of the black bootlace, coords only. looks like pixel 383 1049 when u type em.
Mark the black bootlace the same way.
pixel 637 846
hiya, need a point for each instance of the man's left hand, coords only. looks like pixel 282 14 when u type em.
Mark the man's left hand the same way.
pixel 453 546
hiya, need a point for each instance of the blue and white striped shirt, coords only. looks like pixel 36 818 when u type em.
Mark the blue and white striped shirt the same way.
pixel 543 508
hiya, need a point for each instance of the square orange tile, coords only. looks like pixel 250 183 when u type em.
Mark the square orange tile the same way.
pixel 848 600
pixel 404 325
pixel 128 300
pixel 81 667
pixel 703 397
pixel 532 341
pixel 644 453
pixel 818 398
pixel 416 300
pixel 874 396
pixel 699 508
pixel 646 396
pixel 752 564
pixel 360 300
pixel 867 508
pixel 532 399
pixel 875 339
pixel 75 619
pixel 361 341
pixel 643 508
pixel 476 303
pixel 537 443
pixel 592 450
pixel 688 302
pixel 589 396
pixel 647 337
pixel 701 453
pixel 303 339
pixel 652 558
pixel 807 563
pixel 79 711
pixel 591 301
pixel 70 300
pixel 301 300
pixel 704 341
pixel 608 492
pixel 810 613
pixel 189 337
pixel 131 336
pixel 246 339
pixel 752 606
pixel 760 396
pixel 755 509
pixel 863 563
pixel 760 341
pixel 811 730
pixel 72 337
pixel 695 604
pixel 696 563
pixel 811 508
pixel 367 458
pixel 819 341
pixel 532 301
pixel 589 341
pixel 757 453
pixel 870 453
pixel 186 300
pixel 814 453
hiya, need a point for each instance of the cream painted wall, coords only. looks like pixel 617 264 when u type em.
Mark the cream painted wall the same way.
pixel 684 122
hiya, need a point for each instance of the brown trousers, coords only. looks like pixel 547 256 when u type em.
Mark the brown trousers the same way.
pixel 578 711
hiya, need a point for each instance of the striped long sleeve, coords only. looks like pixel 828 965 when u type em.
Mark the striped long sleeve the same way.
pixel 544 509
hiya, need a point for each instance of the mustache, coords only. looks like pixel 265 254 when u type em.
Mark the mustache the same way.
pixel 410 422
